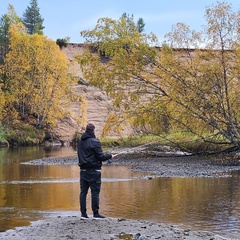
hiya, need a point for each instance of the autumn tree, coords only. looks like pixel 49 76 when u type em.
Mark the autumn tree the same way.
pixel 38 78
pixel 206 80
pixel 190 85
pixel 32 18
pixel 5 22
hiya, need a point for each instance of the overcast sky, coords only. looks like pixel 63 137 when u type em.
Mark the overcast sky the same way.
pixel 70 17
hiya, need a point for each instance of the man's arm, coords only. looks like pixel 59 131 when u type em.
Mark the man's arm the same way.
pixel 99 152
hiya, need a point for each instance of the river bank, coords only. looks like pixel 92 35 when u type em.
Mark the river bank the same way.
pixel 71 227
pixel 108 229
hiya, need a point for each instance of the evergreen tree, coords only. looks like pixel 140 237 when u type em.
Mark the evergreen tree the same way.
pixel 130 19
pixel 32 19
pixel 140 25
pixel 5 22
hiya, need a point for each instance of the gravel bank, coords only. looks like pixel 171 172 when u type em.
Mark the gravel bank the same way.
pixel 164 166
pixel 107 229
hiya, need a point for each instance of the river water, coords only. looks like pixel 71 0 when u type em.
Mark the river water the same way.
pixel 33 192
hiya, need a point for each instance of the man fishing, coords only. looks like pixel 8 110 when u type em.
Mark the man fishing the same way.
pixel 90 158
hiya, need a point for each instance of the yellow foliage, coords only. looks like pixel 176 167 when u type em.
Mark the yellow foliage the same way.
pixel 180 86
pixel 2 102
pixel 112 122
pixel 37 77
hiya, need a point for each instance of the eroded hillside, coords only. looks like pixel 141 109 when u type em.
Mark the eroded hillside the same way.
pixel 98 105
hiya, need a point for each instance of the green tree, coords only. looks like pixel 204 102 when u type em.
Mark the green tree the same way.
pixel 5 22
pixel 32 18
pixel 181 86
pixel 130 19
pixel 140 25
pixel 63 42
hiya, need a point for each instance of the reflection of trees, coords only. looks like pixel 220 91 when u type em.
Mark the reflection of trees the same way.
pixel 177 199
pixel 32 197
pixel 42 195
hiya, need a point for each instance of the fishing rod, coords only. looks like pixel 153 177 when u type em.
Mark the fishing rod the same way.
pixel 132 149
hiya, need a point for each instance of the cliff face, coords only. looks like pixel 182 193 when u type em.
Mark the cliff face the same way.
pixel 98 105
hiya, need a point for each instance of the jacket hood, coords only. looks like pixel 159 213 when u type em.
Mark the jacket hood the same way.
pixel 87 134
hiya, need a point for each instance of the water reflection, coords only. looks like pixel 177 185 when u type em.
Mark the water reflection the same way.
pixel 29 192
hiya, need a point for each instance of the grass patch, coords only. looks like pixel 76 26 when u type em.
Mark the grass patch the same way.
pixel 130 141
pixel 25 135
pixel 2 135
pixel 184 142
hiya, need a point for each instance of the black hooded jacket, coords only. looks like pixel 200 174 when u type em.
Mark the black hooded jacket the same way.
pixel 90 153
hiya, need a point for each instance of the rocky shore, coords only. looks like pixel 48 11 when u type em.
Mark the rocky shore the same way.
pixel 71 227
pixel 107 229
pixel 162 166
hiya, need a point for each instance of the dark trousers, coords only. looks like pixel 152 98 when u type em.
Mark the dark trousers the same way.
pixel 90 179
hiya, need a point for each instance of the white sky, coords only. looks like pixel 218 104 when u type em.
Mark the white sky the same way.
pixel 69 18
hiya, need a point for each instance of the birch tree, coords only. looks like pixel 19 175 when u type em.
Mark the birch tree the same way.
pixel 189 85
pixel 38 78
